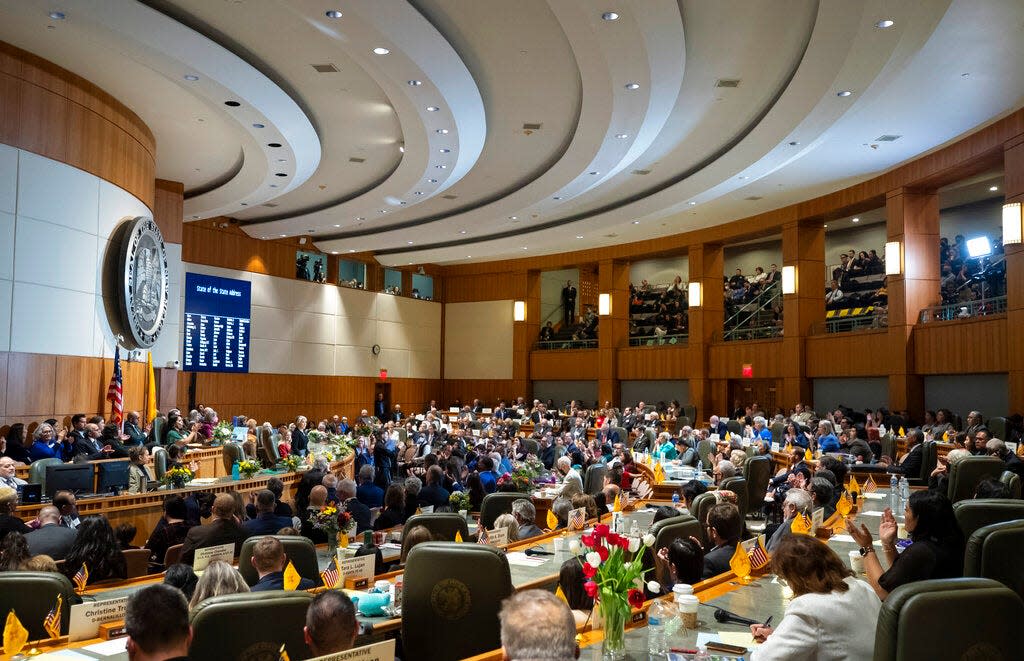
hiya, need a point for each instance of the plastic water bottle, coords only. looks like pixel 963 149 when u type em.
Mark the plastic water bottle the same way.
pixel 904 494
pixel 700 468
pixel 675 499
pixel 235 475
pixel 657 616
pixel 894 493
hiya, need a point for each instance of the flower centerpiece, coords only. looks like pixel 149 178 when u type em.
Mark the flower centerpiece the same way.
pixel 518 478
pixel 177 477
pixel 221 433
pixel 292 462
pixel 248 468
pixel 363 430
pixel 333 522
pixel 459 500
pixel 613 568
pixel 316 436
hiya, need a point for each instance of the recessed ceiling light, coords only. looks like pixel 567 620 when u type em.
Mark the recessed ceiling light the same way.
pixel 191 77
pixel 462 231
pixel 443 131
pixel 885 23
pixel 334 252
pixel 273 185
pixel 282 160
pixel 593 173
pixel 513 217
pixel 351 249
pixel 419 192
pixel 431 181
pixel 632 86
pixel 432 108
pixel 360 217
pixel 382 210
pixel 793 143
pixel 692 204
pixel 380 51
pixel 622 136
pixel 259 126
pixel 441 167
pixel 275 145
pixel 444 150
pixel 636 222
pixel 468 256
pixel 557 197
pixel 280 174
pixel 409 242
pixel 855 220
pixel 337 225
pixel 844 93
pixel 334 13
pixel 610 16
pixel 579 236
pixel 232 104
pixel 826 225
pixel 415 83
pixel 57 15
pixel 401 149
pixel 403 203
pixel 993 188
pixel 743 176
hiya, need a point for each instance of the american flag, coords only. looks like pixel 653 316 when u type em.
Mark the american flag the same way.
pixel 51 623
pixel 115 391
pixel 758 556
pixel 577 518
pixel 283 655
pixel 81 579
pixel 331 574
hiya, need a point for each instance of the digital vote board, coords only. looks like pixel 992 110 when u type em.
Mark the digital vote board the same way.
pixel 217 324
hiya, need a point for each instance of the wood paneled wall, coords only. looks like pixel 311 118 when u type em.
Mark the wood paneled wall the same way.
pixel 489 391
pixel 570 364
pixel 656 363
pixel 962 347
pixel 168 209
pixel 726 360
pixel 280 397
pixel 54 113
pixel 864 353
pixel 34 387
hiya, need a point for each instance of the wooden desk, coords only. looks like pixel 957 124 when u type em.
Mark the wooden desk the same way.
pixel 210 460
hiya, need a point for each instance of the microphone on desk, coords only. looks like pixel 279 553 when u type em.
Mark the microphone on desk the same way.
pixel 725 616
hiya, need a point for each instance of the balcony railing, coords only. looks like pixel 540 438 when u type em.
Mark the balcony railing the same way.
pixel 552 345
pixel 658 340
pixel 964 310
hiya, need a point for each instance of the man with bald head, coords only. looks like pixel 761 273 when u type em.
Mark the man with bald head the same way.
pixel 51 538
pixel 224 529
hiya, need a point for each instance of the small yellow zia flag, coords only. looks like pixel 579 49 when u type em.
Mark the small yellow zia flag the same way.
pixel 659 474
pixel 15 635
pixel 551 520
pixel 902 433
pixel 740 562
pixel 291 577
pixel 561 595
pixel 458 536
pixel 801 525
pixel 617 505
pixel 945 436
pixel 854 486
pixel 844 505
pixel 808 455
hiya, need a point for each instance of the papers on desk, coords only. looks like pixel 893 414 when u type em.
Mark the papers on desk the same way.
pixel 871 496
pixel 739 638
pixel 869 513
pixel 202 481
pixel 523 560
pixel 64 655
pixel 108 647
pixel 849 540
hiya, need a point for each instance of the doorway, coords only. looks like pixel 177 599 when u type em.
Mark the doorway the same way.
pixel 763 392
pixel 382 388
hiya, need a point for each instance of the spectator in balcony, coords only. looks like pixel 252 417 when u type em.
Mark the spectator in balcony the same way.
pixel 759 276
pixel 547 333
pixel 834 295
pixel 737 280
pixel 840 272
pixel 568 303
pixel 874 264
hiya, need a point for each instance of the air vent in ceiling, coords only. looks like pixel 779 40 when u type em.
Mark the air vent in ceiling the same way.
pixel 356 159
pixel 532 127
pixel 641 171
pixel 754 198
pixel 727 82
pixel 325 68
pixel 270 205
pixel 449 197
pixel 888 138
pixel 610 236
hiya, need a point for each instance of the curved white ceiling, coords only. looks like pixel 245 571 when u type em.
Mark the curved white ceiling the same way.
pixel 608 164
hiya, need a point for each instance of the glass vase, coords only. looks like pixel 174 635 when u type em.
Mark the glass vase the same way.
pixel 615 612
pixel 332 546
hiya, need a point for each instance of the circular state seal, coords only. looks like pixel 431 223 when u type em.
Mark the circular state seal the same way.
pixel 143 286
pixel 450 599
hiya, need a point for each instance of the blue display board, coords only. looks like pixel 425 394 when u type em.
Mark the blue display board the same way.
pixel 217 324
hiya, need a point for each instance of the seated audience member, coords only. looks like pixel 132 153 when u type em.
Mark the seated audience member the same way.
pixel 125 534
pixel 526 515
pixel 317 500
pixel 571 580
pixel 269 560
pixel 827 441
pixel 288 531
pixel 724 527
pixel 910 463
pixel 997 448
pixel 181 576
pixel 16 444
pixel 535 624
pixel 96 547
pixel 50 538
pixel 413 536
pixel 275 486
pixel 821 495
pixel 832 614
pixel 724 469
pixel 224 528
pixel 49 444
pixel 266 522
pixel 587 502
pixel 690 490
pixel 41 563
pixel 66 502
pixel 937 550
pixel 797 501
pixel 170 530
pixel 347 499
pixel 139 477
pixel 218 578
pixel 393 513
pixel 682 561
pixel 488 478
pixel 508 522
pixel 14 552
pixel 156 619
pixel 412 486
pixel 331 482
pixel 992 488
pixel 331 624
pixel 433 494
pixel 133 429
pixel 7 474
pixel 938 480
pixel 368 493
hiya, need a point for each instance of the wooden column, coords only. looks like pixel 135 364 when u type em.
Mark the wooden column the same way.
pixel 803 246
pixel 1013 184
pixel 524 333
pixel 706 264
pixel 912 218
pixel 612 329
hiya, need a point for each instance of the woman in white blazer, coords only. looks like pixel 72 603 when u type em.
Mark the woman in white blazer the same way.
pixel 832 615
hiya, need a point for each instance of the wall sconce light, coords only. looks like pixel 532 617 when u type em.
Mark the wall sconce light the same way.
pixel 519 311
pixel 788 279
pixel 1011 223
pixel 893 258
pixel 693 294
pixel 604 304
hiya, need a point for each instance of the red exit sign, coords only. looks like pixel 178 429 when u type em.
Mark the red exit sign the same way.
pixel 748 371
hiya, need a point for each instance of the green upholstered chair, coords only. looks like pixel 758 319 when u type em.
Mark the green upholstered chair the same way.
pixel 965 474
pixel 778 432
pixel 442 525
pixel 699 509
pixel 998 425
pixel 668 530
pixel 758 473
pixel 888 444
pixel 981 512
pixel 593 480
pixel 230 453
pixel 300 551
pixel 981 629
pixel 31 594
pixel 250 626
pixel 531 446
pixel 37 470
pixel 929 457
pixel 705 448
pixel 994 552
pixel 683 421
pixel 495 504
pixel 159 461
pixel 453 588
pixel 1012 480
pixel 737 485
pixel 159 427
pixel 734 427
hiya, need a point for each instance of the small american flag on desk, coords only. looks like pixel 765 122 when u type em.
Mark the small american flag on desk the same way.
pixel 330 575
pixel 577 518
pixel 758 555
pixel 81 579
pixel 51 623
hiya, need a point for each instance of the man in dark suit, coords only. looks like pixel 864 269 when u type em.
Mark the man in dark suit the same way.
pixel 50 538
pixel 716 426
pixel 433 494
pixel 501 413
pixel 266 522
pixel 269 561
pixel 910 464
pixel 380 407
pixel 396 414
pixel 133 428
pixel 360 513
pixel 77 432
pixel 568 304
pixel 368 493
pixel 607 435
pixel 223 529
pixel 90 447
pixel 310 479
pixel 724 526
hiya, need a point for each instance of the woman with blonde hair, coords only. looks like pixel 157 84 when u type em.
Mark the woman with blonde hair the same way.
pixel 509 523
pixel 218 578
